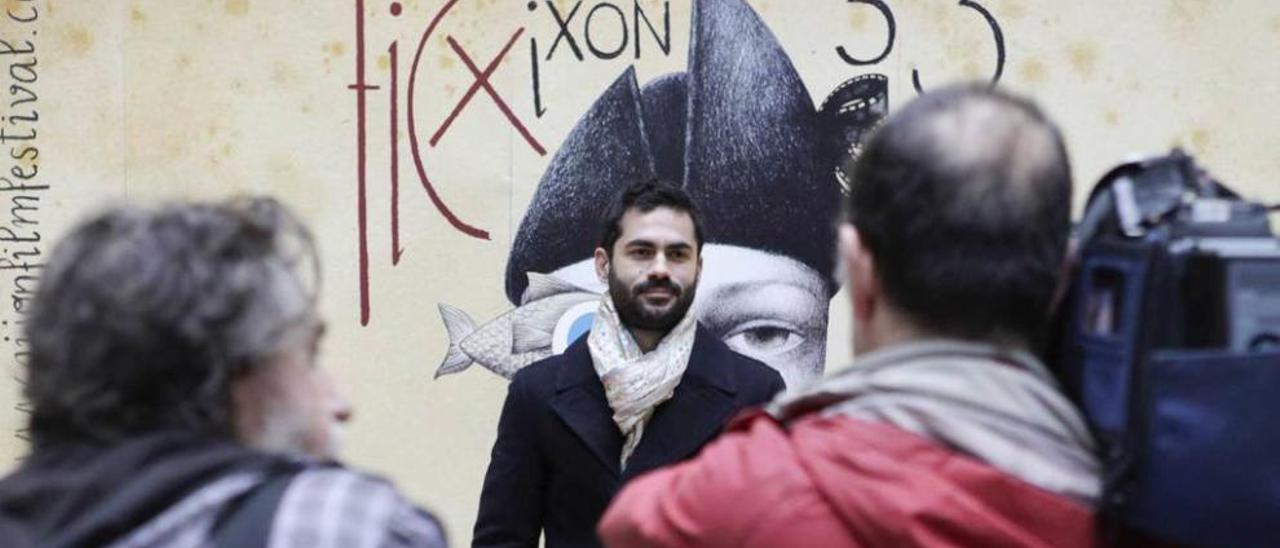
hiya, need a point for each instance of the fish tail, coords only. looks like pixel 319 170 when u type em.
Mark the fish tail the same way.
pixel 459 326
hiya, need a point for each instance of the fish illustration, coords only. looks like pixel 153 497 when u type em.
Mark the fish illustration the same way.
pixel 522 336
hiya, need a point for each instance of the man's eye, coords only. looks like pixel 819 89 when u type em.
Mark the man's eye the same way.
pixel 641 253
pixel 313 349
pixel 763 338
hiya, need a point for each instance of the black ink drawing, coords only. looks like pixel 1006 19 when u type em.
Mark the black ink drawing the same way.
pixel 739 130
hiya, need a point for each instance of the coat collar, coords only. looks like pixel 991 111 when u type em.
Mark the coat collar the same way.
pixel 701 404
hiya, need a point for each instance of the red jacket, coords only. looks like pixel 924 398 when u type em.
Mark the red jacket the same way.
pixel 837 481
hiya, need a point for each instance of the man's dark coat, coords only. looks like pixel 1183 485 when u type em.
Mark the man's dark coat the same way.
pixel 555 465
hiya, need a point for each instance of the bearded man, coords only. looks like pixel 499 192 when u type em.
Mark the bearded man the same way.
pixel 646 387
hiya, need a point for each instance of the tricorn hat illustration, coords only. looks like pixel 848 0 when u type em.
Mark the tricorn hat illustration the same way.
pixel 738 130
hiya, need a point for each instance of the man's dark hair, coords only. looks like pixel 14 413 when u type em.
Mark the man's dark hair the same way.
pixel 645 196
pixel 143 316
pixel 964 200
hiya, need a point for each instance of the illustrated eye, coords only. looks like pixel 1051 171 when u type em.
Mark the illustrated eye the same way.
pixel 573 324
pixel 763 337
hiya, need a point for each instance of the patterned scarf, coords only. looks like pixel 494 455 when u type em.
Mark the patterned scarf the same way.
pixel 999 406
pixel 636 382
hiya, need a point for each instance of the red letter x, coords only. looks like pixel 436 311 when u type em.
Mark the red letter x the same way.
pixel 482 81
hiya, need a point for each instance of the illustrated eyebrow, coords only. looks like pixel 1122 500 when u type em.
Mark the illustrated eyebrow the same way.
pixel 732 290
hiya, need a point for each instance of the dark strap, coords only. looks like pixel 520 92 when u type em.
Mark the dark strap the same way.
pixel 248 523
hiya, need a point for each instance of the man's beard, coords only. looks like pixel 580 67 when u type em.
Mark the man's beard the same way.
pixel 287 431
pixel 633 313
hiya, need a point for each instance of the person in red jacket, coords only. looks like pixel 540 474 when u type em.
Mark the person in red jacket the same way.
pixel 946 431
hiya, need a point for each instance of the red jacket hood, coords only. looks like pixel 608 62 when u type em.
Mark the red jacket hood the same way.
pixel 834 481
pixel 894 488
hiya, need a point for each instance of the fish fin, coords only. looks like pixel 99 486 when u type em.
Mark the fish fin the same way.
pixel 526 337
pixel 542 286
pixel 460 326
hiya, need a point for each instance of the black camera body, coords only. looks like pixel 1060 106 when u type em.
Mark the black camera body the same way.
pixel 1169 339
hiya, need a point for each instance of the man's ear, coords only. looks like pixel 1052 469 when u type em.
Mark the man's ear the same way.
pixel 864 283
pixel 697 279
pixel 602 265
pixel 248 392
pixel 1065 274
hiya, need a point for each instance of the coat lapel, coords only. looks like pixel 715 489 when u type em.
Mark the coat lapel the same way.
pixel 581 404
pixel 703 401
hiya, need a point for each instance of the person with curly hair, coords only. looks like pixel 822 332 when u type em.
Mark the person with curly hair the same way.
pixel 176 394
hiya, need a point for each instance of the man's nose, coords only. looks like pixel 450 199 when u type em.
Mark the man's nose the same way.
pixel 659 269
pixel 342 410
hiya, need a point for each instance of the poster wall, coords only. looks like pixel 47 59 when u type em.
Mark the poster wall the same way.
pixel 452 157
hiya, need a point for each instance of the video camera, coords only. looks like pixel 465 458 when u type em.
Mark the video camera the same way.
pixel 1169 339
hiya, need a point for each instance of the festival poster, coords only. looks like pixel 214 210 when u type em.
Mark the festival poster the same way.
pixel 452 155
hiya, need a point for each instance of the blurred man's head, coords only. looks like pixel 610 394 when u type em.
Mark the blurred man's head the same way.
pixel 650 255
pixel 199 318
pixel 957 221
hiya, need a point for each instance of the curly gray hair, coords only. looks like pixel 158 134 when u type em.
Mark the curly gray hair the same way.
pixel 143 316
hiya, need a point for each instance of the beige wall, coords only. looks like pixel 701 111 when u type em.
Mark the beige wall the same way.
pixel 152 99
